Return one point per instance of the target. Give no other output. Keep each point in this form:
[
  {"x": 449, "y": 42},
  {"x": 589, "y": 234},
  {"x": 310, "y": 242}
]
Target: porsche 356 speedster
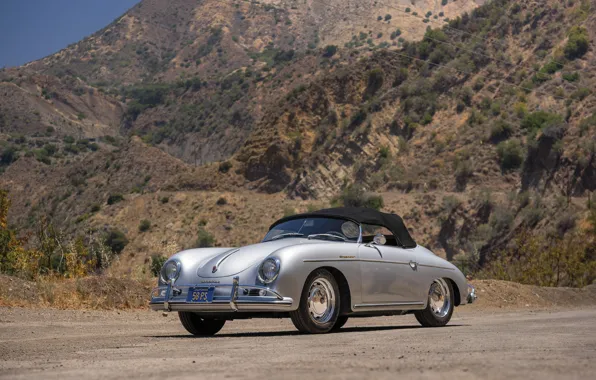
[{"x": 319, "y": 269}]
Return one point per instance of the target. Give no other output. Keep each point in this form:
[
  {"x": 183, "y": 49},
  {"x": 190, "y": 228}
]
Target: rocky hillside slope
[{"x": 221, "y": 116}]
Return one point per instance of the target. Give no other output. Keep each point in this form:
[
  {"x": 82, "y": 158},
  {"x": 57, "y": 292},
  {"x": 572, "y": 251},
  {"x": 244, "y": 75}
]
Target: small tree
[
  {"x": 510, "y": 154},
  {"x": 116, "y": 240},
  {"x": 329, "y": 51},
  {"x": 144, "y": 226},
  {"x": 578, "y": 43},
  {"x": 204, "y": 239}
]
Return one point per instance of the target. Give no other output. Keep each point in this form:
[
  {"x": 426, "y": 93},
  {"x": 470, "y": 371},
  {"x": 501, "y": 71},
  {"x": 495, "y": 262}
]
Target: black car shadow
[{"x": 292, "y": 332}]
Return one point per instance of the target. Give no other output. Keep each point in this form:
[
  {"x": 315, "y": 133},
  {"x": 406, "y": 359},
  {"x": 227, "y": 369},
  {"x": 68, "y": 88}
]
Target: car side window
[{"x": 369, "y": 231}]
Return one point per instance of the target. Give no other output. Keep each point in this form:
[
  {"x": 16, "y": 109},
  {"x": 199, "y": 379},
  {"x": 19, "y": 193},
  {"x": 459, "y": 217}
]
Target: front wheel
[
  {"x": 341, "y": 321},
  {"x": 440, "y": 305},
  {"x": 319, "y": 304},
  {"x": 199, "y": 326}
]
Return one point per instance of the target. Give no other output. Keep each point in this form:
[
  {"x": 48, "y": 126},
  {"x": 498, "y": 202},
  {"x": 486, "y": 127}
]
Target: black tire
[
  {"x": 341, "y": 321},
  {"x": 302, "y": 318},
  {"x": 199, "y": 326},
  {"x": 428, "y": 317}
]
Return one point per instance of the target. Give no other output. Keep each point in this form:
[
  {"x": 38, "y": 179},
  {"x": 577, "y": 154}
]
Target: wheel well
[
  {"x": 456, "y": 294},
  {"x": 344, "y": 290}
]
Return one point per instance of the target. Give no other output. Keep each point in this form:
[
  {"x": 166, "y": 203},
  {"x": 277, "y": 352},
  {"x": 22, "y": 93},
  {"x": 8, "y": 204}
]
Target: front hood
[{"x": 236, "y": 260}]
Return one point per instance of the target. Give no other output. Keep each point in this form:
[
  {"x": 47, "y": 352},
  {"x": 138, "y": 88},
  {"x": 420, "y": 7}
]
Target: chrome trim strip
[
  {"x": 434, "y": 266},
  {"x": 374, "y": 261},
  {"x": 361, "y": 260},
  {"x": 390, "y": 304},
  {"x": 226, "y": 256}
]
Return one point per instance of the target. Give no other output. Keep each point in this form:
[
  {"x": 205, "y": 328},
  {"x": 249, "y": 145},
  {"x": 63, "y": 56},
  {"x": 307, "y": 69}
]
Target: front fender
[{"x": 299, "y": 261}]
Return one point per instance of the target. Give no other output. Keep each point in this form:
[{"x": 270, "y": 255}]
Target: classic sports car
[{"x": 319, "y": 269}]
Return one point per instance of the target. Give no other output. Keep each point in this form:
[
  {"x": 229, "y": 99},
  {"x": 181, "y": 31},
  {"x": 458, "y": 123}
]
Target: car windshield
[{"x": 316, "y": 228}]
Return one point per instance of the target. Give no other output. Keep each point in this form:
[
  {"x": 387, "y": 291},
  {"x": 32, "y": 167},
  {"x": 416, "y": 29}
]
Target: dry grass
[{"x": 95, "y": 292}]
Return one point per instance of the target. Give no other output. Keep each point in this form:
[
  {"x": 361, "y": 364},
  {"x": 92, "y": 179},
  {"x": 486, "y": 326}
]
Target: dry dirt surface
[{"x": 478, "y": 343}]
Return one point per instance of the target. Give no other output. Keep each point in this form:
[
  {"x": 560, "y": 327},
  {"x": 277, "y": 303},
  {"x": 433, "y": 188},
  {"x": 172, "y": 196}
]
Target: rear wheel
[
  {"x": 199, "y": 326},
  {"x": 319, "y": 304},
  {"x": 440, "y": 305}
]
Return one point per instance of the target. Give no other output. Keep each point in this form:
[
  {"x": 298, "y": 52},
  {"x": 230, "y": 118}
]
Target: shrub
[
  {"x": 289, "y": 211},
  {"x": 9, "y": 155},
  {"x": 222, "y": 201},
  {"x": 115, "y": 198},
  {"x": 145, "y": 225},
  {"x": 387, "y": 17},
  {"x": 157, "y": 262},
  {"x": 534, "y": 260},
  {"x": 204, "y": 239},
  {"x": 225, "y": 166},
  {"x": 510, "y": 154},
  {"x": 571, "y": 77},
  {"x": 116, "y": 240},
  {"x": 330, "y": 50},
  {"x": 164, "y": 200},
  {"x": 500, "y": 130},
  {"x": 95, "y": 208},
  {"x": 538, "y": 120},
  {"x": 375, "y": 81},
  {"x": 578, "y": 43},
  {"x": 357, "y": 196}
]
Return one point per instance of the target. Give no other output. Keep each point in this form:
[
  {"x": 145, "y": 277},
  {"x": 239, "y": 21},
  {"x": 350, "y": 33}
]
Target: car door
[{"x": 389, "y": 273}]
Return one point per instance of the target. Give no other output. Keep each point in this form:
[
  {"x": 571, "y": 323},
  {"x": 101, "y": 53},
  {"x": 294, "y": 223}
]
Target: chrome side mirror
[{"x": 380, "y": 239}]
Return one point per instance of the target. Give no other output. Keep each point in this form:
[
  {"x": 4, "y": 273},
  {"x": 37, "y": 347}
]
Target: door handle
[
  {"x": 414, "y": 265},
  {"x": 375, "y": 247}
]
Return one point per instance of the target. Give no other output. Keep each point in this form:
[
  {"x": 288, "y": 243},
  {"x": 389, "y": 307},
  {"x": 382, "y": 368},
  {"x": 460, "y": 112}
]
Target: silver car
[{"x": 319, "y": 269}]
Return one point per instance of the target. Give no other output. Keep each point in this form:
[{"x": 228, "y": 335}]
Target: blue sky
[{"x": 32, "y": 29}]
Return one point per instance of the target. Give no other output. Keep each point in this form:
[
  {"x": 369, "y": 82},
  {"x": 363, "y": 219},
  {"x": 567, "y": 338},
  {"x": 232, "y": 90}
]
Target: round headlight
[
  {"x": 269, "y": 270},
  {"x": 170, "y": 271}
]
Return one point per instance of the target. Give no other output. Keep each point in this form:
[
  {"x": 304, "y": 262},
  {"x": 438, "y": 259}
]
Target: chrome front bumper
[{"x": 227, "y": 298}]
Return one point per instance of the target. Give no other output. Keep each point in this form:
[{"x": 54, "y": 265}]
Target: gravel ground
[{"x": 54, "y": 344}]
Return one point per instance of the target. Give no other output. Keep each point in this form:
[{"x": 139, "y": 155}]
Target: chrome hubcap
[
  {"x": 321, "y": 300},
  {"x": 439, "y": 298}
]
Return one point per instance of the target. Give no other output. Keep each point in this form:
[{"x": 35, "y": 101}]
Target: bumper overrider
[
  {"x": 471, "y": 294},
  {"x": 225, "y": 298}
]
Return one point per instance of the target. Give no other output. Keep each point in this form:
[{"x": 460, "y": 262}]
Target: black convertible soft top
[{"x": 363, "y": 216}]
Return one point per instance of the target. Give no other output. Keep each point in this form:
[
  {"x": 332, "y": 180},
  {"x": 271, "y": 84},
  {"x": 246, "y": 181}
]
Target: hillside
[{"x": 216, "y": 118}]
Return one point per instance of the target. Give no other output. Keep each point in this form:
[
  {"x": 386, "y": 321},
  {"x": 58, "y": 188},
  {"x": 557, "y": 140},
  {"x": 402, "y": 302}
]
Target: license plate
[{"x": 200, "y": 295}]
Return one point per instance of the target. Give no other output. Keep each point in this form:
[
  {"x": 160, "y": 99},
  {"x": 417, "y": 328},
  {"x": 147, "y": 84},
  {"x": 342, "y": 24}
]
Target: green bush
[
  {"x": 578, "y": 43},
  {"x": 145, "y": 225},
  {"x": 538, "y": 120},
  {"x": 387, "y": 17},
  {"x": 329, "y": 51},
  {"x": 356, "y": 196},
  {"x": 571, "y": 77},
  {"x": 157, "y": 262},
  {"x": 116, "y": 240},
  {"x": 375, "y": 82},
  {"x": 115, "y": 198},
  {"x": 204, "y": 239},
  {"x": 225, "y": 166},
  {"x": 9, "y": 155},
  {"x": 511, "y": 154},
  {"x": 500, "y": 130}
]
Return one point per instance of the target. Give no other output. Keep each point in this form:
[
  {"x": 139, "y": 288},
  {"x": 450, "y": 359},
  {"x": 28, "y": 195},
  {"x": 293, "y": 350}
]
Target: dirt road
[{"x": 54, "y": 344}]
